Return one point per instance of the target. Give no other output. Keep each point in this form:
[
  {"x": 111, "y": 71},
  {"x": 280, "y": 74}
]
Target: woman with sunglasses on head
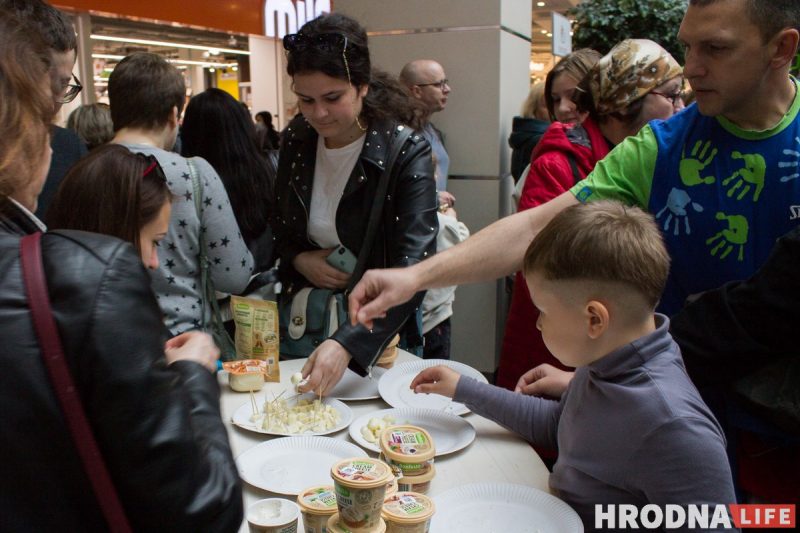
[
  {"x": 153, "y": 408},
  {"x": 331, "y": 160},
  {"x": 636, "y": 82}
]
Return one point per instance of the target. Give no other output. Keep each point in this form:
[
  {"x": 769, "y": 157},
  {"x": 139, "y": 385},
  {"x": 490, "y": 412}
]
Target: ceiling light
[
  {"x": 212, "y": 69},
  {"x": 549, "y": 34},
  {"x": 544, "y": 32},
  {"x": 132, "y": 40},
  {"x": 540, "y": 4},
  {"x": 174, "y": 61}
]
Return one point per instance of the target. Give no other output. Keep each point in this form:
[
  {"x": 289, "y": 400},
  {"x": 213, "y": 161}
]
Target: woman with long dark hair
[
  {"x": 331, "y": 161},
  {"x": 218, "y": 128}
]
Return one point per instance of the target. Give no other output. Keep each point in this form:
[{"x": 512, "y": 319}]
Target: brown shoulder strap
[{"x": 61, "y": 379}]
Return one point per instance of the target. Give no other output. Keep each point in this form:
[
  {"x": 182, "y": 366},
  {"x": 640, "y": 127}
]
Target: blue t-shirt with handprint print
[{"x": 721, "y": 195}]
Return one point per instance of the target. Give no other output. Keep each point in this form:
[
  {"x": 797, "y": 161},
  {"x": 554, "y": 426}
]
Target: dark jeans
[{"x": 437, "y": 342}]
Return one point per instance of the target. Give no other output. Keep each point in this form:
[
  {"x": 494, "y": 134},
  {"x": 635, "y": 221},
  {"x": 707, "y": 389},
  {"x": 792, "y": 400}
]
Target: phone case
[{"x": 342, "y": 259}]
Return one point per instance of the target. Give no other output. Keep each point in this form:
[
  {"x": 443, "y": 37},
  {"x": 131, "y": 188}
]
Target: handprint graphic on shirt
[
  {"x": 749, "y": 176},
  {"x": 676, "y": 211},
  {"x": 691, "y": 167},
  {"x": 734, "y": 235},
  {"x": 792, "y": 164}
]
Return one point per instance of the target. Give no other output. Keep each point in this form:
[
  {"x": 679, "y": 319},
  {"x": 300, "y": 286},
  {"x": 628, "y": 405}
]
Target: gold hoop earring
[{"x": 358, "y": 123}]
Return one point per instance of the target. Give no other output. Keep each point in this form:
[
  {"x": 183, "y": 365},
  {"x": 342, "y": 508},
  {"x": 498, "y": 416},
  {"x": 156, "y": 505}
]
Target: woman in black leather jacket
[
  {"x": 156, "y": 419},
  {"x": 330, "y": 163}
]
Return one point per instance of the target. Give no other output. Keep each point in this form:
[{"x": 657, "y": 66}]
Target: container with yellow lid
[
  {"x": 335, "y": 525},
  {"x": 317, "y": 505},
  {"x": 360, "y": 485},
  {"x": 409, "y": 450},
  {"x": 407, "y": 512},
  {"x": 420, "y": 484}
]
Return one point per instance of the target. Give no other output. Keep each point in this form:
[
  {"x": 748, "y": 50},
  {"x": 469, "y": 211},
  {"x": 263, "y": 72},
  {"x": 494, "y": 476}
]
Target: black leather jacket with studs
[{"x": 407, "y": 234}]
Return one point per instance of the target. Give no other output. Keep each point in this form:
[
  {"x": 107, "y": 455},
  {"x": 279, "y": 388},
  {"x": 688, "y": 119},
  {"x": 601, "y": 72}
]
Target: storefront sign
[{"x": 284, "y": 16}]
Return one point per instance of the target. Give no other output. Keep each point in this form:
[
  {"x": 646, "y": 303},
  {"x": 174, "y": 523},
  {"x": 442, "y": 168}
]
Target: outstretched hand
[
  {"x": 324, "y": 368},
  {"x": 380, "y": 290},
  {"x": 438, "y": 380},
  {"x": 544, "y": 380}
]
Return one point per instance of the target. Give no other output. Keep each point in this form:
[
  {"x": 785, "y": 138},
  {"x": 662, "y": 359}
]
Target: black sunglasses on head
[{"x": 323, "y": 41}]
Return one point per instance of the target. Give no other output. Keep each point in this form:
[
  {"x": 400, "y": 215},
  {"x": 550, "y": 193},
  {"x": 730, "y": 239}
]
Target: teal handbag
[{"x": 307, "y": 318}]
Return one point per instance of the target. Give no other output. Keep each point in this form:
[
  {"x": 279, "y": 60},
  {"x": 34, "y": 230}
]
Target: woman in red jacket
[{"x": 636, "y": 82}]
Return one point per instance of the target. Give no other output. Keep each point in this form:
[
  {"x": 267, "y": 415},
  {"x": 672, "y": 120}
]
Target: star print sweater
[
  {"x": 176, "y": 282},
  {"x": 721, "y": 195}
]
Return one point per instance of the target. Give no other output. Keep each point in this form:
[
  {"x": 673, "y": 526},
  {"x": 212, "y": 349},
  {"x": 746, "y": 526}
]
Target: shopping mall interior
[{"x": 491, "y": 49}]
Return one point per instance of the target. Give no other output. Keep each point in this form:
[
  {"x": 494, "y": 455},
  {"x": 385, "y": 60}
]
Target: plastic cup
[
  {"x": 273, "y": 515},
  {"x": 317, "y": 505},
  {"x": 336, "y": 526},
  {"x": 360, "y": 484},
  {"x": 420, "y": 484},
  {"x": 407, "y": 512},
  {"x": 408, "y": 450}
]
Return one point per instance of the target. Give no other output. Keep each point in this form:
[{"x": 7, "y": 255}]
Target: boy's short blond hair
[{"x": 603, "y": 241}]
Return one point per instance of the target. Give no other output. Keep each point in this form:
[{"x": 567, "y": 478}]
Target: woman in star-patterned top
[{"x": 147, "y": 95}]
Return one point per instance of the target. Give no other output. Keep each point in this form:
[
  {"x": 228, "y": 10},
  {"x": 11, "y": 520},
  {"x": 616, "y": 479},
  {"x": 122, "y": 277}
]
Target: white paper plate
[
  {"x": 502, "y": 507},
  {"x": 290, "y": 464},
  {"x": 394, "y": 386},
  {"x": 450, "y": 433},
  {"x": 354, "y": 387},
  {"x": 241, "y": 417}
]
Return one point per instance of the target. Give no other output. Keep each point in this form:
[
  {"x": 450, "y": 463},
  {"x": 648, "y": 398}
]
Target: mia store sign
[{"x": 284, "y": 16}]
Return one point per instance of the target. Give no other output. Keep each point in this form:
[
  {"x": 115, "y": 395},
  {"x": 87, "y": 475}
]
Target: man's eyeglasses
[
  {"x": 440, "y": 84},
  {"x": 324, "y": 41},
  {"x": 675, "y": 98},
  {"x": 72, "y": 90}
]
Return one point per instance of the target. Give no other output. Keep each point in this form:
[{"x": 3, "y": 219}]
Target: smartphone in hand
[{"x": 342, "y": 259}]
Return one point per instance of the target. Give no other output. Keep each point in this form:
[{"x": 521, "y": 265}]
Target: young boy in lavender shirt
[{"x": 631, "y": 427}]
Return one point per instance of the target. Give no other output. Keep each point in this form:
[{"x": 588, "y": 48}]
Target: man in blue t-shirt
[{"x": 721, "y": 177}]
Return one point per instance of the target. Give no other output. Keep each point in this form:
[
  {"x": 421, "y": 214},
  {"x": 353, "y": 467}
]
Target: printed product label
[
  {"x": 408, "y": 442},
  {"x": 320, "y": 498}
]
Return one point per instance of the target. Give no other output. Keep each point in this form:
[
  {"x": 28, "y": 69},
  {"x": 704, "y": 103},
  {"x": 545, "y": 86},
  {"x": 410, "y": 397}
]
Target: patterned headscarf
[{"x": 628, "y": 72}]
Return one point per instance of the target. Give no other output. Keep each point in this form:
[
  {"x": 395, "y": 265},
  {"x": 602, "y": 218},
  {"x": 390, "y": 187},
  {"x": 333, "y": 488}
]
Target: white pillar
[{"x": 267, "y": 75}]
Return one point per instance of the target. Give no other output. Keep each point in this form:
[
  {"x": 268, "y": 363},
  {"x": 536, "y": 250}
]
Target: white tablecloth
[{"x": 496, "y": 455}]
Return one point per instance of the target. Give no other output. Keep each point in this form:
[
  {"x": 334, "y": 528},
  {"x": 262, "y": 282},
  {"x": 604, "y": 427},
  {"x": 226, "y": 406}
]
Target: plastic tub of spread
[
  {"x": 408, "y": 450},
  {"x": 389, "y": 355},
  {"x": 407, "y": 512},
  {"x": 360, "y": 486},
  {"x": 420, "y": 484},
  {"x": 273, "y": 515},
  {"x": 246, "y": 375},
  {"x": 391, "y": 487},
  {"x": 336, "y": 526},
  {"x": 317, "y": 505}
]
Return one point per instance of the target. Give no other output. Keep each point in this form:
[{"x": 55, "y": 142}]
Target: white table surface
[{"x": 496, "y": 454}]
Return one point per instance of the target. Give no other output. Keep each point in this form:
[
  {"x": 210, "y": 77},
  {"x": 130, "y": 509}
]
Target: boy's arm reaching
[
  {"x": 535, "y": 419},
  {"x": 495, "y": 251}
]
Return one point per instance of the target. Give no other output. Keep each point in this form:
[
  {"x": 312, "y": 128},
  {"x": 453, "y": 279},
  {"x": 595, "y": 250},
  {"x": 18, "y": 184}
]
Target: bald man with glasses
[{"x": 426, "y": 81}]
